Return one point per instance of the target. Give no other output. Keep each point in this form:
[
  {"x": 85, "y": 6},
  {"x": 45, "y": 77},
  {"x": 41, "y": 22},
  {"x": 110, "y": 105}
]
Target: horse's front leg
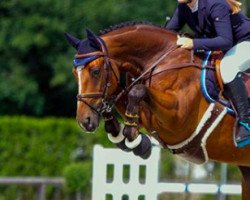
[
  {"x": 114, "y": 130},
  {"x": 138, "y": 142}
]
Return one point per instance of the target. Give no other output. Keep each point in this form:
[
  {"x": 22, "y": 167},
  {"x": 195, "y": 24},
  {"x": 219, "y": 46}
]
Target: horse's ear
[
  {"x": 94, "y": 40},
  {"x": 73, "y": 41}
]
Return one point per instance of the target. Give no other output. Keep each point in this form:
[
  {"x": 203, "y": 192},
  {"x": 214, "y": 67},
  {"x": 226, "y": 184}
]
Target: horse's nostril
[
  {"x": 88, "y": 124},
  {"x": 84, "y": 123},
  {"x": 87, "y": 121}
]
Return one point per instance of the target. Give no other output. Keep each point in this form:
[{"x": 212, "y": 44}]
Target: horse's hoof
[
  {"x": 119, "y": 140},
  {"x": 144, "y": 148},
  {"x": 147, "y": 154},
  {"x": 123, "y": 146}
]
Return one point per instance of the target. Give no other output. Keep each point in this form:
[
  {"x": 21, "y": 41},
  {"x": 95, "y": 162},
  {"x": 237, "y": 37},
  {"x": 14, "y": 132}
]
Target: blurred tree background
[{"x": 35, "y": 61}]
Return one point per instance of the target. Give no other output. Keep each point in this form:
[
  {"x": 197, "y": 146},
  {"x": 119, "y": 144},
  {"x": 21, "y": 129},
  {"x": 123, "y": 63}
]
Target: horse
[{"x": 161, "y": 93}]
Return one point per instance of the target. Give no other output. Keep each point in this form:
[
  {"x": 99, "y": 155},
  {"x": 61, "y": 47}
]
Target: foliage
[
  {"x": 76, "y": 177},
  {"x": 50, "y": 147},
  {"x": 36, "y": 61},
  {"x": 44, "y": 147},
  {"x": 31, "y": 146},
  {"x": 41, "y": 147}
]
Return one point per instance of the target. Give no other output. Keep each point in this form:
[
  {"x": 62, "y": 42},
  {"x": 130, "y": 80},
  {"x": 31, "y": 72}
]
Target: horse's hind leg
[
  {"x": 245, "y": 171},
  {"x": 139, "y": 143}
]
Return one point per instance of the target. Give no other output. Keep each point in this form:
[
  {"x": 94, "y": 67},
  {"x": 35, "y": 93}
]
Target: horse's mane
[{"x": 128, "y": 24}]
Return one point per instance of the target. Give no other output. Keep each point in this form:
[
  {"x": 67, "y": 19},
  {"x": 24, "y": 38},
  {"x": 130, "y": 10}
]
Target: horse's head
[{"x": 97, "y": 78}]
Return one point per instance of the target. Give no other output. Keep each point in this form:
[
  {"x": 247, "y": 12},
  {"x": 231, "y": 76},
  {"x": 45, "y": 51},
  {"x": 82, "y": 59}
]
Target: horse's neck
[{"x": 140, "y": 46}]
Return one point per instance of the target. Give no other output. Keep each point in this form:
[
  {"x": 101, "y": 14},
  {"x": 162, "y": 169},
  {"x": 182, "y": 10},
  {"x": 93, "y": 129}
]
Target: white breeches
[{"x": 237, "y": 59}]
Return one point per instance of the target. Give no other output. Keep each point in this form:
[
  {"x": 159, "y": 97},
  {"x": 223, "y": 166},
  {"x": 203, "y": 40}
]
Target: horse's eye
[{"x": 95, "y": 72}]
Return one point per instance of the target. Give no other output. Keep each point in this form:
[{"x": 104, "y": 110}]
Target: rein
[
  {"x": 177, "y": 66},
  {"x": 152, "y": 67},
  {"x": 144, "y": 77},
  {"x": 108, "y": 103}
]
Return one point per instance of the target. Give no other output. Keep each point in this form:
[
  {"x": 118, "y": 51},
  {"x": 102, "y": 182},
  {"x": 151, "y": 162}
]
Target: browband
[{"x": 83, "y": 61}]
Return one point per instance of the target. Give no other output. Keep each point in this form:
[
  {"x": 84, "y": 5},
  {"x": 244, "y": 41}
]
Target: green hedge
[
  {"x": 46, "y": 146},
  {"x": 43, "y": 147}
]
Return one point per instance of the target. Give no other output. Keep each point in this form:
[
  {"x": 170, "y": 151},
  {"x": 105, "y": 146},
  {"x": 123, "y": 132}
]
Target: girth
[{"x": 193, "y": 149}]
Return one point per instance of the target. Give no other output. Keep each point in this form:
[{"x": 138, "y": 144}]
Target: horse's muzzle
[{"x": 89, "y": 124}]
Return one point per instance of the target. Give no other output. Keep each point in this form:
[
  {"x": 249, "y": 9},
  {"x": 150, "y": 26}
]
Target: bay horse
[{"x": 161, "y": 92}]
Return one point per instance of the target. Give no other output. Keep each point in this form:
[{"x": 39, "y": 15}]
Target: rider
[{"x": 220, "y": 25}]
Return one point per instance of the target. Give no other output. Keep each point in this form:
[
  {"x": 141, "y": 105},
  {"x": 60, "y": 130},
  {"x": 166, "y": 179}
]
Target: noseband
[{"x": 80, "y": 62}]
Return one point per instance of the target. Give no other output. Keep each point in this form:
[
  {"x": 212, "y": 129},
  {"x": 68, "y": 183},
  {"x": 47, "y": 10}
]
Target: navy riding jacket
[{"x": 217, "y": 28}]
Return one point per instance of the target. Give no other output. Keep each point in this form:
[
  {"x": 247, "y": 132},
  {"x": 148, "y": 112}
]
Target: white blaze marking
[{"x": 79, "y": 82}]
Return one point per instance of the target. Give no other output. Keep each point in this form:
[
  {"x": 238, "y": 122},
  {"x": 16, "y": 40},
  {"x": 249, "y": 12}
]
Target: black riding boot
[{"x": 237, "y": 93}]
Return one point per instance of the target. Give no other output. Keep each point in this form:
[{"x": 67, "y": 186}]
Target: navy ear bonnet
[
  {"x": 93, "y": 43},
  {"x": 87, "y": 46}
]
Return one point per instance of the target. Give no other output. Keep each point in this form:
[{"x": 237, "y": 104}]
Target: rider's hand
[{"x": 184, "y": 42}]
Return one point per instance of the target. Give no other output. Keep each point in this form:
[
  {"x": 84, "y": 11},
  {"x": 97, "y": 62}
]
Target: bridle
[{"x": 80, "y": 62}]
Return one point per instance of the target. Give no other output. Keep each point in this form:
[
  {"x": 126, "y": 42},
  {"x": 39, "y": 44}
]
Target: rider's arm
[
  {"x": 220, "y": 16},
  {"x": 177, "y": 21}
]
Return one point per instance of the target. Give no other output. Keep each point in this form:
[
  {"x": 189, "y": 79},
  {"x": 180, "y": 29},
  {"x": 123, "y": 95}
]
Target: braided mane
[{"x": 126, "y": 24}]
